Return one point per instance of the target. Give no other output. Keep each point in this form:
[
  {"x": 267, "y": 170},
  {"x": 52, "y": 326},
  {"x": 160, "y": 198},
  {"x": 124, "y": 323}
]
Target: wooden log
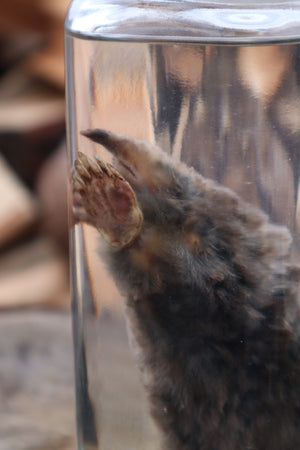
[
  {"x": 32, "y": 122},
  {"x": 51, "y": 189},
  {"x": 18, "y": 208},
  {"x": 37, "y": 409},
  {"x": 34, "y": 275},
  {"x": 27, "y": 105}
]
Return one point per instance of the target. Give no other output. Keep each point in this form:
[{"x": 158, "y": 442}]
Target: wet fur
[{"x": 213, "y": 313}]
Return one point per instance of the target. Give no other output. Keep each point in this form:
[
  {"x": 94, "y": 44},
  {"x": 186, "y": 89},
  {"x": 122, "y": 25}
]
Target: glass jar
[{"x": 183, "y": 135}]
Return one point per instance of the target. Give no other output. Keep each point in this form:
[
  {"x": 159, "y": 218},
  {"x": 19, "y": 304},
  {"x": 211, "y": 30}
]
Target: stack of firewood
[{"x": 33, "y": 173}]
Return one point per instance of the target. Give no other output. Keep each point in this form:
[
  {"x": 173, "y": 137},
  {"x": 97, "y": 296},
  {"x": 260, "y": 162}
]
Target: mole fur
[{"x": 211, "y": 297}]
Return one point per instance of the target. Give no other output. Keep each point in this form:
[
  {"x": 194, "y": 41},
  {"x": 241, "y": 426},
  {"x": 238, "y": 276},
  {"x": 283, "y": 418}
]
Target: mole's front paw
[{"x": 106, "y": 201}]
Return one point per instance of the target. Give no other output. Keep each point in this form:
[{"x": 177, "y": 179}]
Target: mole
[{"x": 211, "y": 297}]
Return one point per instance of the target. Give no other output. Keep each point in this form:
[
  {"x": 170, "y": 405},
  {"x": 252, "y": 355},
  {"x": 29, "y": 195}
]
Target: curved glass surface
[{"x": 215, "y": 21}]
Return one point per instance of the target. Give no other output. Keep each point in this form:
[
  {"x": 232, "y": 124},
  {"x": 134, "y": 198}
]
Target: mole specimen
[{"x": 210, "y": 295}]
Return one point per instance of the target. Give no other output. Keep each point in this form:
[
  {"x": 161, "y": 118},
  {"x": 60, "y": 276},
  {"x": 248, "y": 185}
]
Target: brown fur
[{"x": 211, "y": 303}]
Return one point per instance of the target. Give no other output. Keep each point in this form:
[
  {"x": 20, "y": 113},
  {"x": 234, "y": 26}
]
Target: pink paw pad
[{"x": 105, "y": 200}]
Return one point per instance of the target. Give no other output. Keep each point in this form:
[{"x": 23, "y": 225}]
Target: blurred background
[
  {"x": 37, "y": 407},
  {"x": 36, "y": 361}
]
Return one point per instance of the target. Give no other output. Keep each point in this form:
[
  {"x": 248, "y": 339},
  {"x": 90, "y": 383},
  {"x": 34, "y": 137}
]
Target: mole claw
[
  {"x": 78, "y": 185},
  {"x": 116, "y": 173},
  {"x": 103, "y": 165},
  {"x": 83, "y": 159},
  {"x": 81, "y": 167},
  {"x": 75, "y": 176},
  {"x": 95, "y": 168},
  {"x": 90, "y": 164},
  {"x": 78, "y": 182}
]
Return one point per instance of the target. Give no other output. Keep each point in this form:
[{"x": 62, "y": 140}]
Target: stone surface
[
  {"x": 37, "y": 401},
  {"x": 37, "y": 408}
]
